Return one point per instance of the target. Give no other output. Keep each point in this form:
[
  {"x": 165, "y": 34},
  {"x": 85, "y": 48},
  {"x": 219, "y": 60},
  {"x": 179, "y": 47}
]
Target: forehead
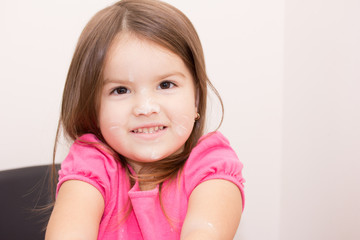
[{"x": 130, "y": 54}]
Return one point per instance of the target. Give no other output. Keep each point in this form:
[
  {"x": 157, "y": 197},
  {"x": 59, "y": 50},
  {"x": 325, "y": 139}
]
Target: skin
[
  {"x": 77, "y": 212},
  {"x": 149, "y": 88},
  {"x": 214, "y": 211},
  {"x": 143, "y": 88}
]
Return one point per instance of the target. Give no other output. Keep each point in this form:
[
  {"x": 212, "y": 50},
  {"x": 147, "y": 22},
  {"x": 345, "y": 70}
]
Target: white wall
[
  {"x": 287, "y": 72},
  {"x": 321, "y": 127},
  {"x": 36, "y": 45},
  {"x": 243, "y": 45}
]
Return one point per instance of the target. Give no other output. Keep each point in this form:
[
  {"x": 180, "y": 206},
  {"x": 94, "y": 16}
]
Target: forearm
[
  {"x": 214, "y": 211},
  {"x": 77, "y": 212},
  {"x": 200, "y": 235}
]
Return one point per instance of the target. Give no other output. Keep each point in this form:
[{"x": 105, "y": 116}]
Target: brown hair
[{"x": 152, "y": 20}]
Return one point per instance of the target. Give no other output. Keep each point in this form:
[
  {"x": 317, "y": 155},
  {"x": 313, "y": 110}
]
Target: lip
[
  {"x": 149, "y": 135},
  {"x": 148, "y": 125}
]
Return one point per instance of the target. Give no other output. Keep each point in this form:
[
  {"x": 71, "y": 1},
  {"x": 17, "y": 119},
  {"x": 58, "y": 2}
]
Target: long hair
[{"x": 152, "y": 20}]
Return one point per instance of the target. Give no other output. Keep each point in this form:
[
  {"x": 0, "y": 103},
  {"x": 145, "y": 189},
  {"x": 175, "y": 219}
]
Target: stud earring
[{"x": 197, "y": 116}]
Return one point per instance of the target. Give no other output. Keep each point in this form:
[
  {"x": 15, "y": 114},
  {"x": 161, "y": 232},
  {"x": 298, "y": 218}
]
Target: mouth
[{"x": 149, "y": 130}]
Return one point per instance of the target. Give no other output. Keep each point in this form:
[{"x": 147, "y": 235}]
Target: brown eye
[
  {"x": 120, "y": 90},
  {"x": 166, "y": 85}
]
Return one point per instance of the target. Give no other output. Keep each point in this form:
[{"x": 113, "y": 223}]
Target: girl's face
[{"x": 148, "y": 107}]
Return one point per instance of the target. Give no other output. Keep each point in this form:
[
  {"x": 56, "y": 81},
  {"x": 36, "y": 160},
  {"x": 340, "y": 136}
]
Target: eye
[
  {"x": 166, "y": 85},
  {"x": 120, "y": 90}
]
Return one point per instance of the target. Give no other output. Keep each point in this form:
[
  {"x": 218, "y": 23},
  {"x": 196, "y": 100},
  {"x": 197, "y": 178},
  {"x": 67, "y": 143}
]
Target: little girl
[{"x": 134, "y": 105}]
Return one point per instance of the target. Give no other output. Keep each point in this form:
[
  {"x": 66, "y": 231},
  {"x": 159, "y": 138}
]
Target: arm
[
  {"x": 214, "y": 211},
  {"x": 77, "y": 212}
]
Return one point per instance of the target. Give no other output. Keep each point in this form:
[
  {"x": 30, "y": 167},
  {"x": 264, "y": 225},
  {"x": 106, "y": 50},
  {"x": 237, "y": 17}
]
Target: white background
[{"x": 288, "y": 72}]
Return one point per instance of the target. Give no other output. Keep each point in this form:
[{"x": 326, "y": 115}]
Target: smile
[{"x": 149, "y": 130}]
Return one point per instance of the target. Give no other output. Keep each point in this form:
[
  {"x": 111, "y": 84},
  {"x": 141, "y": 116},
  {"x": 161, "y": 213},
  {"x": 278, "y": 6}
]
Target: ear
[
  {"x": 197, "y": 99},
  {"x": 196, "y": 102}
]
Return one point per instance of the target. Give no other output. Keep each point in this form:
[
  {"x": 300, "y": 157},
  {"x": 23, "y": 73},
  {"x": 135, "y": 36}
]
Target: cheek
[
  {"x": 110, "y": 121},
  {"x": 183, "y": 125},
  {"x": 183, "y": 119},
  {"x": 112, "y": 127}
]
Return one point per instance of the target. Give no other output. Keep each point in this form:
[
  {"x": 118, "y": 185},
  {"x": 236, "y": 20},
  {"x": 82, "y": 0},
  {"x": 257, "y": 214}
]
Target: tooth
[
  {"x": 145, "y": 130},
  {"x": 151, "y": 130},
  {"x": 161, "y": 127},
  {"x": 156, "y": 128},
  {"x": 135, "y": 131},
  {"x": 140, "y": 130}
]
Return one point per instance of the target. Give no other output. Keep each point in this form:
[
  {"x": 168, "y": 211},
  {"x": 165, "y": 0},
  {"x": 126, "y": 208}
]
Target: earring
[{"x": 197, "y": 116}]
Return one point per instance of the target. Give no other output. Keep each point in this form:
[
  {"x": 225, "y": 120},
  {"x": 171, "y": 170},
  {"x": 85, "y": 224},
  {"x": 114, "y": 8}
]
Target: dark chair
[{"x": 23, "y": 192}]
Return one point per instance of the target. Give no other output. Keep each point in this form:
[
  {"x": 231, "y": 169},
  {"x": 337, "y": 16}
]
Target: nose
[{"x": 146, "y": 105}]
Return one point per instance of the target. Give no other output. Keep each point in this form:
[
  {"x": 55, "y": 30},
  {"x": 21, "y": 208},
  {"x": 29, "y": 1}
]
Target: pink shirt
[{"x": 212, "y": 158}]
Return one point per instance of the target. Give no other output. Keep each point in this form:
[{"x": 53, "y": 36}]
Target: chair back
[{"x": 23, "y": 192}]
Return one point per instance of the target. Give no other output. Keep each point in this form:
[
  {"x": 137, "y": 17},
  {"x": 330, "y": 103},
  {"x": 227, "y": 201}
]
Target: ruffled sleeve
[
  {"x": 213, "y": 158},
  {"x": 88, "y": 163}
]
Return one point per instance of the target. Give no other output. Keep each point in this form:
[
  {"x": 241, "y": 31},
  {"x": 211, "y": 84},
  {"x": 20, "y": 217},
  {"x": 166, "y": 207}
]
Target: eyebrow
[
  {"x": 121, "y": 81},
  {"x": 166, "y": 75},
  {"x": 161, "y": 76}
]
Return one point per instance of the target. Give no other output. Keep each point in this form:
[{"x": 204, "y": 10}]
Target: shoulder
[
  {"x": 87, "y": 152},
  {"x": 211, "y": 148},
  {"x": 90, "y": 161},
  {"x": 212, "y": 158}
]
